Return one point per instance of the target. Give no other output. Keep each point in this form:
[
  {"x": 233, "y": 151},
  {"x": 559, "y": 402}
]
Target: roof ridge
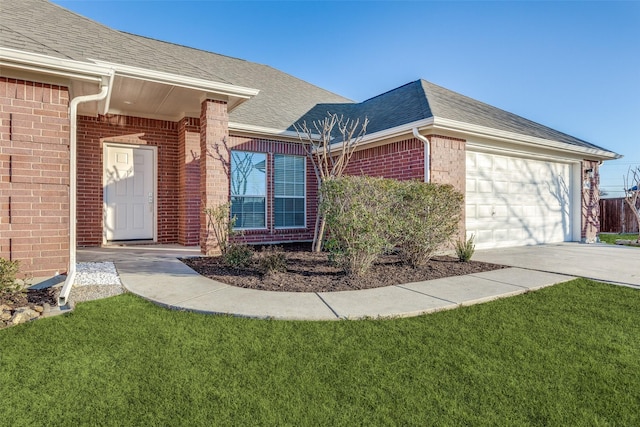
[
  {"x": 387, "y": 92},
  {"x": 427, "y": 111}
]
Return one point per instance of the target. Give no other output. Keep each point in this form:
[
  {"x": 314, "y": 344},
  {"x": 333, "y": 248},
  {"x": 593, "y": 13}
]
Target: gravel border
[{"x": 95, "y": 280}]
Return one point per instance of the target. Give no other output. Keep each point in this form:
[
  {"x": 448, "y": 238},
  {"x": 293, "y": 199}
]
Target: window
[
  {"x": 248, "y": 189},
  {"x": 289, "y": 191}
]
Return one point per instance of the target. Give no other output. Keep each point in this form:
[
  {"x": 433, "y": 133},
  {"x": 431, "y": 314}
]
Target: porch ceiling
[{"x": 143, "y": 98}]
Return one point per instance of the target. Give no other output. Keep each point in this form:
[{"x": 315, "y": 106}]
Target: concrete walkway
[{"x": 154, "y": 273}]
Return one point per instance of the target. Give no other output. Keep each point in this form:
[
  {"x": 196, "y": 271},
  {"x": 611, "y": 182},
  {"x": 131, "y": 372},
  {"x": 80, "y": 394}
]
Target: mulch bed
[
  {"x": 32, "y": 298},
  {"x": 312, "y": 272}
]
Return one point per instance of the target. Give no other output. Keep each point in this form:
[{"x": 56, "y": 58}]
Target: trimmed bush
[
  {"x": 238, "y": 255},
  {"x": 427, "y": 216},
  {"x": 356, "y": 209},
  {"x": 9, "y": 283},
  {"x": 367, "y": 217},
  {"x": 272, "y": 260}
]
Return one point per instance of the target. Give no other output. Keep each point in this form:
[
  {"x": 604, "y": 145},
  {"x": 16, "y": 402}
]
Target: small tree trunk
[
  {"x": 316, "y": 231},
  {"x": 632, "y": 202},
  {"x": 320, "y": 238}
]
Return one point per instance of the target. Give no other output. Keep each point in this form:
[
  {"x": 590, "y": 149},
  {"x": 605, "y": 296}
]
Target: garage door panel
[
  {"x": 515, "y": 201},
  {"x": 484, "y": 162},
  {"x": 471, "y": 185},
  {"x": 484, "y": 186}
]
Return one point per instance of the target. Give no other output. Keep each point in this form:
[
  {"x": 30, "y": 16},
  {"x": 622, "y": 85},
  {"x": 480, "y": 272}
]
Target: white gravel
[
  {"x": 97, "y": 273},
  {"x": 95, "y": 280}
]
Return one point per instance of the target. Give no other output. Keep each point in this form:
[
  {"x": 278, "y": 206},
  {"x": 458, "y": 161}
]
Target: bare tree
[
  {"x": 632, "y": 192},
  {"x": 329, "y": 159}
]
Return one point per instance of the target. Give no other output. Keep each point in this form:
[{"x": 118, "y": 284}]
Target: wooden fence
[{"x": 616, "y": 216}]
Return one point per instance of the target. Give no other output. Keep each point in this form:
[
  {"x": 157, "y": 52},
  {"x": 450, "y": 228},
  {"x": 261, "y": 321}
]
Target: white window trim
[{"x": 296, "y": 227}]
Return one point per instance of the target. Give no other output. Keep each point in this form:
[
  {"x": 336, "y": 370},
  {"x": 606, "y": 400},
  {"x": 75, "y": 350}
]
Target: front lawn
[
  {"x": 564, "y": 355},
  {"x": 611, "y": 238}
]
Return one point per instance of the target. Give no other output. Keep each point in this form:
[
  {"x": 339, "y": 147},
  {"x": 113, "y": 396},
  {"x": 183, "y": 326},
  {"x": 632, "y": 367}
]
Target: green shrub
[
  {"x": 9, "y": 283},
  {"x": 356, "y": 210},
  {"x": 221, "y": 225},
  {"x": 237, "y": 255},
  {"x": 271, "y": 260},
  {"x": 367, "y": 217},
  {"x": 465, "y": 249},
  {"x": 426, "y": 217}
]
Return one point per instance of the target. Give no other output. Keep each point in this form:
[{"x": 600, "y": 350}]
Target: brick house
[{"x": 112, "y": 137}]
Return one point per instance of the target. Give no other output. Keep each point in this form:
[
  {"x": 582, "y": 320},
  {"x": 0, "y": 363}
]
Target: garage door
[{"x": 513, "y": 201}]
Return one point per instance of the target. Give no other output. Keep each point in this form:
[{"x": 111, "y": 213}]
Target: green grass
[
  {"x": 611, "y": 238},
  {"x": 565, "y": 355}
]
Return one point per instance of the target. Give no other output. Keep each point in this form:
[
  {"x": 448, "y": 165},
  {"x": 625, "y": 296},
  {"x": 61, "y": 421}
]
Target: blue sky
[{"x": 573, "y": 65}]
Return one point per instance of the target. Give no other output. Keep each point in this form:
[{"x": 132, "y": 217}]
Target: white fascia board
[
  {"x": 180, "y": 81},
  {"x": 541, "y": 154},
  {"x": 512, "y": 137},
  {"x": 60, "y": 67},
  {"x": 266, "y": 131}
]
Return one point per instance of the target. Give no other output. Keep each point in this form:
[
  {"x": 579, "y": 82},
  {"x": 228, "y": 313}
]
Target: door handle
[{"x": 150, "y": 198}]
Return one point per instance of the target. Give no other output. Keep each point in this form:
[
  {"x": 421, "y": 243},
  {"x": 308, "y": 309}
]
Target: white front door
[{"x": 129, "y": 192}]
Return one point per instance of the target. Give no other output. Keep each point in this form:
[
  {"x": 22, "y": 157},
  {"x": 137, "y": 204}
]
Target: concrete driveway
[{"x": 606, "y": 263}]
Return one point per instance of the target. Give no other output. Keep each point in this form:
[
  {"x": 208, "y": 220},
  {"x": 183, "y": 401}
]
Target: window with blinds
[{"x": 289, "y": 207}]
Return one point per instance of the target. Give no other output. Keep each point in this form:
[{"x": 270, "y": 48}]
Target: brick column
[
  {"x": 189, "y": 182},
  {"x": 214, "y": 165},
  {"x": 449, "y": 166}
]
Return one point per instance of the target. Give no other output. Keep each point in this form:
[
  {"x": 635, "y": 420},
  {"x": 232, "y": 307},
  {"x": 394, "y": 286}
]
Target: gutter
[
  {"x": 427, "y": 151},
  {"x": 105, "y": 92},
  {"x": 59, "y": 67},
  {"x": 193, "y": 83}
]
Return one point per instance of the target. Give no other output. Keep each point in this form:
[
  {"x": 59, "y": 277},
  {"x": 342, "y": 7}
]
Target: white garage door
[{"x": 512, "y": 201}]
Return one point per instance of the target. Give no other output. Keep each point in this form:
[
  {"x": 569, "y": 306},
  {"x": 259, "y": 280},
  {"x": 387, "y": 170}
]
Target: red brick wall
[
  {"x": 189, "y": 182},
  {"x": 271, "y": 234},
  {"x": 448, "y": 161},
  {"x": 590, "y": 202},
  {"x": 92, "y": 132},
  {"x": 400, "y": 160},
  {"x": 34, "y": 176},
  {"x": 405, "y": 160}
]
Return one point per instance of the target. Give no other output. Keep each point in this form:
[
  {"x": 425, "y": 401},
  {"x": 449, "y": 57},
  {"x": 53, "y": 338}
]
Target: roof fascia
[
  {"x": 385, "y": 134},
  {"x": 265, "y": 131},
  {"x": 59, "y": 67},
  {"x": 516, "y": 138},
  {"x": 197, "y": 84},
  {"x": 456, "y": 128}
]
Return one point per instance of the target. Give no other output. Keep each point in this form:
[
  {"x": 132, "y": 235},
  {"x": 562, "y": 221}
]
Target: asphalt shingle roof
[
  {"x": 422, "y": 100},
  {"x": 39, "y": 26},
  {"x": 42, "y": 27}
]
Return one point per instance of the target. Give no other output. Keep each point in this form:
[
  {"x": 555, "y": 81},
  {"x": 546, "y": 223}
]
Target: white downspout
[
  {"x": 105, "y": 90},
  {"x": 427, "y": 151}
]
